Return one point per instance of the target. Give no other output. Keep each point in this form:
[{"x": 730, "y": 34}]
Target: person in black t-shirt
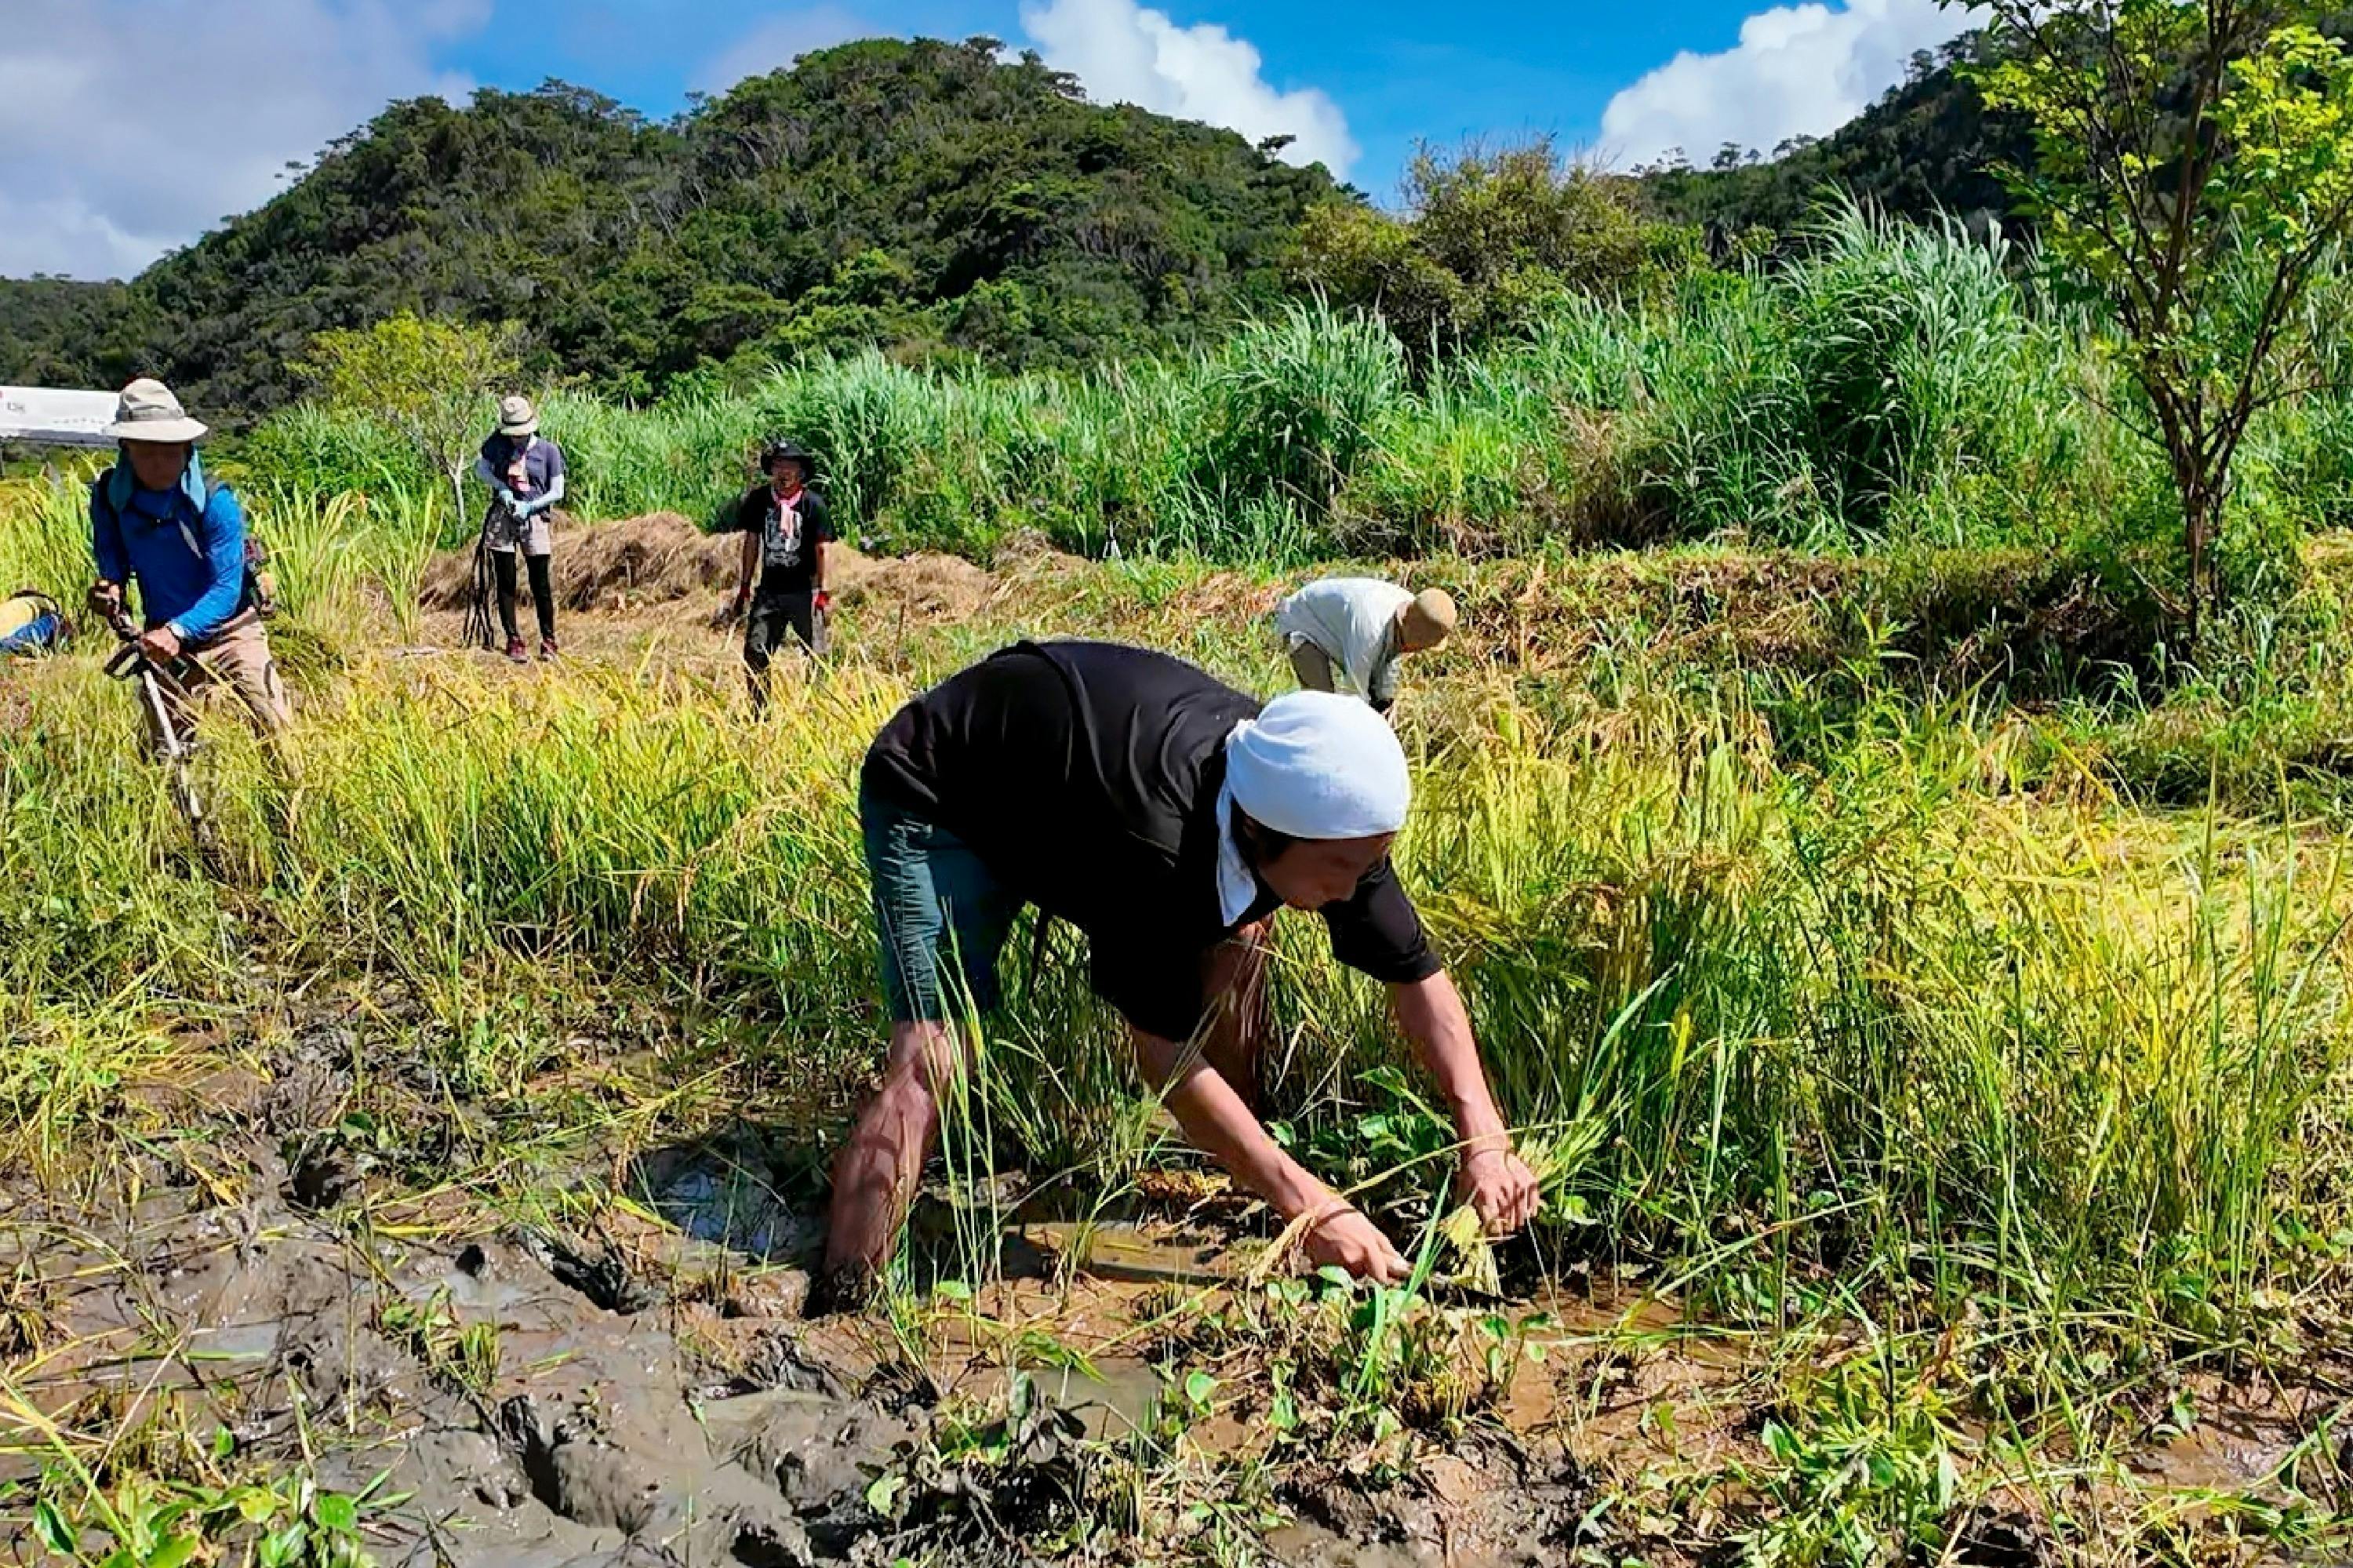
[
  {"x": 1167, "y": 816},
  {"x": 785, "y": 528}
]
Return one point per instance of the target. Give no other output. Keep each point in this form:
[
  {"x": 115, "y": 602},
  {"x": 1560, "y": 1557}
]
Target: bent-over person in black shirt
[{"x": 1167, "y": 816}]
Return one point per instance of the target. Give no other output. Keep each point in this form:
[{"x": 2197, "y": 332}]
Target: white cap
[{"x": 1314, "y": 765}]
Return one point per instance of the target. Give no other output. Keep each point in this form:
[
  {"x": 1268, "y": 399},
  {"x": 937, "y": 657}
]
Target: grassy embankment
[{"x": 1897, "y": 387}]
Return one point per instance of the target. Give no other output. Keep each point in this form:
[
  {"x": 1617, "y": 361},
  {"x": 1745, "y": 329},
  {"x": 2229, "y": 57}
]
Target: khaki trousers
[
  {"x": 238, "y": 657},
  {"x": 1312, "y": 665}
]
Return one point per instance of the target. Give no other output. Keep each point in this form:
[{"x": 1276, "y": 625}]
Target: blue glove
[{"x": 506, "y": 497}]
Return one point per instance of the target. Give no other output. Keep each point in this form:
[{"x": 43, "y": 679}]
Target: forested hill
[
  {"x": 55, "y": 332},
  {"x": 930, "y": 196},
  {"x": 1928, "y": 146}
]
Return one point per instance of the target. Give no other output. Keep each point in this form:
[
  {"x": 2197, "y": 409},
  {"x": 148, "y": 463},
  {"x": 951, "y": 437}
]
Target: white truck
[{"x": 55, "y": 416}]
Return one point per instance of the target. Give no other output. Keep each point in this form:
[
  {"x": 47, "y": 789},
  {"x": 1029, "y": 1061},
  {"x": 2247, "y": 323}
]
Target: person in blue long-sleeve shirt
[{"x": 154, "y": 522}]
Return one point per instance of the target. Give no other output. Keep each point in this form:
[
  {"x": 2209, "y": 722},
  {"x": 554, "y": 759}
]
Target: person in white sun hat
[
  {"x": 157, "y": 524},
  {"x": 524, "y": 472},
  {"x": 1167, "y": 816}
]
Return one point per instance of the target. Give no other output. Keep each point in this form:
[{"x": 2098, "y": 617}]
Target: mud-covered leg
[
  {"x": 875, "y": 1176},
  {"x": 762, "y": 627},
  {"x": 1312, "y": 665}
]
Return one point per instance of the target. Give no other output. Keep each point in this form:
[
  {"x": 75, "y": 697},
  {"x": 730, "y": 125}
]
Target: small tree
[
  {"x": 2193, "y": 172},
  {"x": 427, "y": 380},
  {"x": 1488, "y": 240}
]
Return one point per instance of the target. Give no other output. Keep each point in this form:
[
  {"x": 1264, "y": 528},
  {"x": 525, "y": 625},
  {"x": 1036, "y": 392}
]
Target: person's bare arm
[
  {"x": 1214, "y": 1117},
  {"x": 1494, "y": 1180},
  {"x": 817, "y": 581},
  {"x": 750, "y": 564}
]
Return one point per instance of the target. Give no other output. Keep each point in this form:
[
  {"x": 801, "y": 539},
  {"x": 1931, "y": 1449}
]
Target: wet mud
[
  {"x": 622, "y": 1373},
  {"x": 637, "y": 1386},
  {"x": 530, "y": 1399}
]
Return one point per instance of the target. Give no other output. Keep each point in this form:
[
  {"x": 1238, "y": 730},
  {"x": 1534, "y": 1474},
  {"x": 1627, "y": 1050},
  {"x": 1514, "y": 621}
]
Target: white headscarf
[{"x": 1314, "y": 765}]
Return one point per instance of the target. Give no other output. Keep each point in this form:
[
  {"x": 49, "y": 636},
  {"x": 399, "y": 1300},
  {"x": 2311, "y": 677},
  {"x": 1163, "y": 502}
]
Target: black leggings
[{"x": 542, "y": 592}]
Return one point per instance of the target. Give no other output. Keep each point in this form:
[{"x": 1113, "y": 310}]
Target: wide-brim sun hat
[
  {"x": 1314, "y": 765},
  {"x": 147, "y": 411},
  {"x": 517, "y": 416}
]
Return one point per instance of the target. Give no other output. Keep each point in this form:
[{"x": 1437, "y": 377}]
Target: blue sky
[
  {"x": 99, "y": 194},
  {"x": 1395, "y": 73}
]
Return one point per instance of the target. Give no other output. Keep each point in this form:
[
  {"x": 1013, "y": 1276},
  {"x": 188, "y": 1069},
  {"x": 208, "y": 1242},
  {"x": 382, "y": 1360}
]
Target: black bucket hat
[{"x": 777, "y": 447}]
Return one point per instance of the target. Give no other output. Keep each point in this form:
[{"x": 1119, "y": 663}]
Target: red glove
[{"x": 822, "y": 599}]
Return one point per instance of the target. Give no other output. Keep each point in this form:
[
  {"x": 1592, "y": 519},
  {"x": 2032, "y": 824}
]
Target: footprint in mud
[
  {"x": 601, "y": 1274},
  {"x": 320, "y": 1176},
  {"x": 577, "y": 1474},
  {"x": 774, "y": 1479}
]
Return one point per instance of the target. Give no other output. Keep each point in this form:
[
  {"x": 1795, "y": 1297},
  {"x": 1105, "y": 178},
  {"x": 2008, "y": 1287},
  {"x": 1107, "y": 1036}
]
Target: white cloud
[
  {"x": 131, "y": 126},
  {"x": 65, "y": 234},
  {"x": 777, "y": 43},
  {"x": 1127, "y": 53},
  {"x": 1801, "y": 69}
]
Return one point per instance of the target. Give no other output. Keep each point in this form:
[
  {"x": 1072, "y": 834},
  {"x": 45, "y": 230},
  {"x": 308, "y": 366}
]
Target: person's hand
[
  {"x": 507, "y": 498},
  {"x": 730, "y": 612},
  {"x": 1499, "y": 1187},
  {"x": 821, "y": 600},
  {"x": 105, "y": 599},
  {"x": 1344, "y": 1236},
  {"x": 161, "y": 645}
]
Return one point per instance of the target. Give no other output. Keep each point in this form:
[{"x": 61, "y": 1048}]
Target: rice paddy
[{"x": 1924, "y": 999}]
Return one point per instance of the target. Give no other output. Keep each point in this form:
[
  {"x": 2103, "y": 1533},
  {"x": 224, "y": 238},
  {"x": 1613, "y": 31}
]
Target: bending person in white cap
[
  {"x": 155, "y": 522},
  {"x": 1349, "y": 633},
  {"x": 1167, "y": 816}
]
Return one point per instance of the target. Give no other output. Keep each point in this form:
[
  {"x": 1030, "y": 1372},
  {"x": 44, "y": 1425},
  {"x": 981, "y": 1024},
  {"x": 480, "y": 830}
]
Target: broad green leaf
[
  {"x": 176, "y": 1552},
  {"x": 51, "y": 1529}
]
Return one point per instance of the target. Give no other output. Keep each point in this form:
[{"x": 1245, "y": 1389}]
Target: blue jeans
[{"x": 937, "y": 913}]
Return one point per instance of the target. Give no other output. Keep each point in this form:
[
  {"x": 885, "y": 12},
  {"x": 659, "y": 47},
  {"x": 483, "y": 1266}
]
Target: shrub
[{"x": 1491, "y": 243}]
